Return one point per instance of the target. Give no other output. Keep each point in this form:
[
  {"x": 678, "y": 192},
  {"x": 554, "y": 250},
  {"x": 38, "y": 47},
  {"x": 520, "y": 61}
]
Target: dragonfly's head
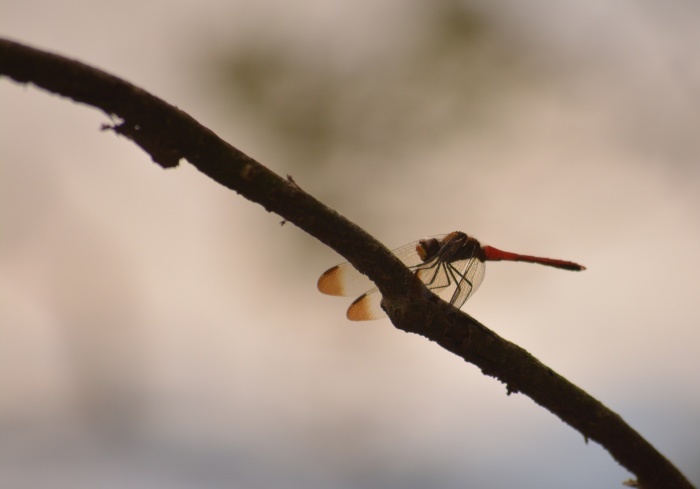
[{"x": 428, "y": 248}]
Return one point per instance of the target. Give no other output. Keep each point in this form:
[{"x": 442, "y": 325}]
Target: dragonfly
[{"x": 450, "y": 265}]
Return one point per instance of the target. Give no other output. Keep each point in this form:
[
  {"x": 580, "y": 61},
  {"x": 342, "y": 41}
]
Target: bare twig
[{"x": 168, "y": 135}]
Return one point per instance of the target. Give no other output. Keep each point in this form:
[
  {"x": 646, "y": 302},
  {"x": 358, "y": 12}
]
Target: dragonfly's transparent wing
[
  {"x": 452, "y": 282},
  {"x": 408, "y": 254},
  {"x": 344, "y": 279},
  {"x": 366, "y": 307}
]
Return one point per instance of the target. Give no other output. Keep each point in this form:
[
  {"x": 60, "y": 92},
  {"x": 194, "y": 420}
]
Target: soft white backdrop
[{"x": 160, "y": 331}]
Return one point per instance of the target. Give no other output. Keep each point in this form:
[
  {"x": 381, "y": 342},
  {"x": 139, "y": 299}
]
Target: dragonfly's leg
[
  {"x": 462, "y": 281},
  {"x": 422, "y": 272},
  {"x": 436, "y": 288}
]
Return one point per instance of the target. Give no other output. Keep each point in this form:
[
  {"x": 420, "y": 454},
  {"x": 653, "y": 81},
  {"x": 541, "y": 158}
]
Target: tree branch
[{"x": 168, "y": 135}]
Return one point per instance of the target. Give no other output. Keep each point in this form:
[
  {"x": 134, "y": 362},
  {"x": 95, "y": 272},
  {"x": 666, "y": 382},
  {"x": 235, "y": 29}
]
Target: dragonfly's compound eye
[{"x": 427, "y": 248}]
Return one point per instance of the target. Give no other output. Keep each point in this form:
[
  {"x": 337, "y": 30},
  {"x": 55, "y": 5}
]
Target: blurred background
[{"x": 159, "y": 331}]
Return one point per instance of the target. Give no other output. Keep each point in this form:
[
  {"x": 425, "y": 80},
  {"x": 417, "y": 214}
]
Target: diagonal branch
[{"x": 168, "y": 135}]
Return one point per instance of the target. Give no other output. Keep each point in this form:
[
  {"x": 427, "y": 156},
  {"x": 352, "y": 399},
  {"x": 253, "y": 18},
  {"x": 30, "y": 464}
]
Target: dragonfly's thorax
[{"x": 455, "y": 246}]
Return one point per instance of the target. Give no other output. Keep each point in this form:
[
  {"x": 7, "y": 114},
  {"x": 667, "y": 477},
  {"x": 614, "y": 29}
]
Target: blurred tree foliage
[{"x": 441, "y": 78}]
